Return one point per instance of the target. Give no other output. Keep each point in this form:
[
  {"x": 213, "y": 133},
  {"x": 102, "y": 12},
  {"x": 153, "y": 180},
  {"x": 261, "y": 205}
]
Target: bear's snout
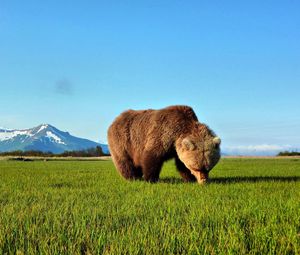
[{"x": 201, "y": 176}]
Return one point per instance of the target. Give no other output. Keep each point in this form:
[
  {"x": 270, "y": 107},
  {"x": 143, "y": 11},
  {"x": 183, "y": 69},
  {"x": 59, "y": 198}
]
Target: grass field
[{"x": 252, "y": 206}]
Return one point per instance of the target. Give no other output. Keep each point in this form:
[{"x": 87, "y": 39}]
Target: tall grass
[{"x": 252, "y": 206}]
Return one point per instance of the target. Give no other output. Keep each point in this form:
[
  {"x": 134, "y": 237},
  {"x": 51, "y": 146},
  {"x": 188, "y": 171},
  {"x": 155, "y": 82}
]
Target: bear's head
[{"x": 199, "y": 151}]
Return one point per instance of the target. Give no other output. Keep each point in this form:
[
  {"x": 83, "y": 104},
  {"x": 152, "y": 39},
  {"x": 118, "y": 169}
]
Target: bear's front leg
[
  {"x": 151, "y": 168},
  {"x": 185, "y": 173}
]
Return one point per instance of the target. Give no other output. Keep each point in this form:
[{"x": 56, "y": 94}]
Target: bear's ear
[
  {"x": 188, "y": 144},
  {"x": 217, "y": 140}
]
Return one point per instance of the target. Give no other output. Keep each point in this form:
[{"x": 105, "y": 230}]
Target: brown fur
[{"x": 140, "y": 141}]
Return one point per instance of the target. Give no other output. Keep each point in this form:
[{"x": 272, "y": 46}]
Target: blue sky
[{"x": 78, "y": 64}]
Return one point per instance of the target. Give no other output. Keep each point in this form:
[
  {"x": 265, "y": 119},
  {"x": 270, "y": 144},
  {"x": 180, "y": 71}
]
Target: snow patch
[
  {"x": 42, "y": 128},
  {"x": 54, "y": 137},
  {"x": 9, "y": 134}
]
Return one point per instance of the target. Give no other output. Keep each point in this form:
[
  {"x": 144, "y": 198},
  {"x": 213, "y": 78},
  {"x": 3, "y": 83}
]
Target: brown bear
[{"x": 140, "y": 141}]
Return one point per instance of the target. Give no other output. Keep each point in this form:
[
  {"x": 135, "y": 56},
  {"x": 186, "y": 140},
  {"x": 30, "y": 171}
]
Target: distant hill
[
  {"x": 257, "y": 150},
  {"x": 44, "y": 138}
]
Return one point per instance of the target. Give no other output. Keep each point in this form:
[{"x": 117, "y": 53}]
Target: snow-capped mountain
[{"x": 43, "y": 138}]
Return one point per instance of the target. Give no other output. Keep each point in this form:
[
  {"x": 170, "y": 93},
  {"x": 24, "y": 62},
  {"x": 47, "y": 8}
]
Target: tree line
[
  {"x": 91, "y": 152},
  {"x": 288, "y": 153}
]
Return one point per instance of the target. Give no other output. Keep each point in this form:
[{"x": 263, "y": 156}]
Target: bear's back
[
  {"x": 135, "y": 131},
  {"x": 129, "y": 130}
]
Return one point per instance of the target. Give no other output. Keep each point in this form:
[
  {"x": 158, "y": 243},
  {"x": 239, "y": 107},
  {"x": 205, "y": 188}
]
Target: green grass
[{"x": 252, "y": 206}]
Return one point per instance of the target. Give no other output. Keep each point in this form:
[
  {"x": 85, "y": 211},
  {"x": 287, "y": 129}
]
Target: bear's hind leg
[
  {"x": 137, "y": 172},
  {"x": 185, "y": 173},
  {"x": 151, "y": 169},
  {"x": 127, "y": 169}
]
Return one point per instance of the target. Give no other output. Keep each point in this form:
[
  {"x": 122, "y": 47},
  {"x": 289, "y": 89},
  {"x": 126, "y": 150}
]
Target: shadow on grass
[
  {"x": 171, "y": 180},
  {"x": 61, "y": 185},
  {"x": 238, "y": 179}
]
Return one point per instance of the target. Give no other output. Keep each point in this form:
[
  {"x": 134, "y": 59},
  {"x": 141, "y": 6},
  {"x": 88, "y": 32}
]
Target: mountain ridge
[{"x": 44, "y": 137}]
